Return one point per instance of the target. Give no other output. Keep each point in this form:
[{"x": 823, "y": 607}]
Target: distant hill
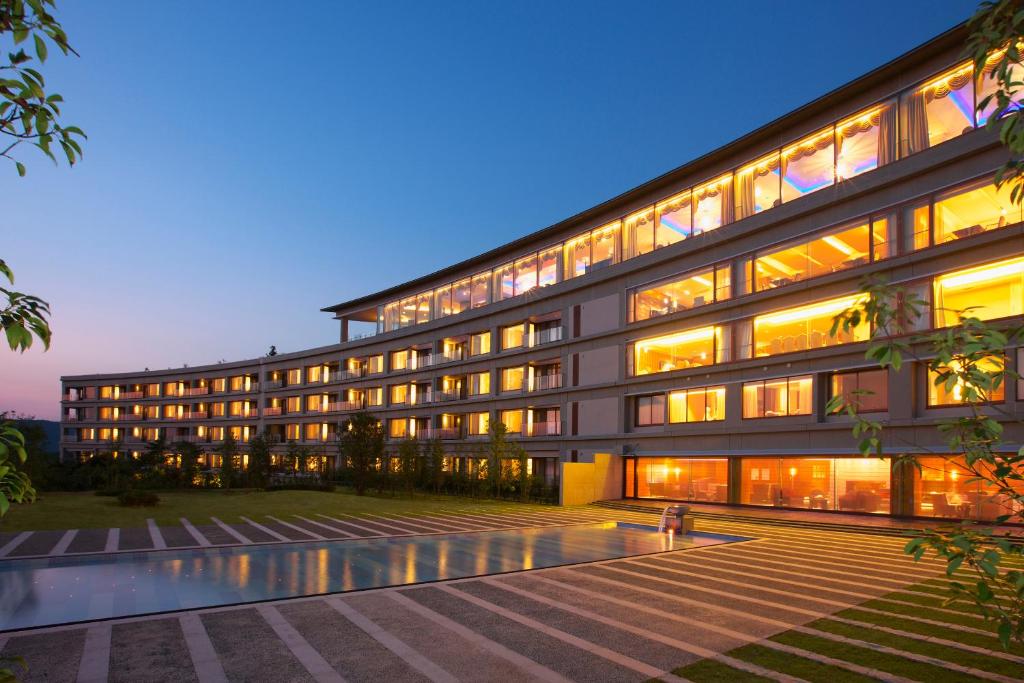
[{"x": 52, "y": 431}]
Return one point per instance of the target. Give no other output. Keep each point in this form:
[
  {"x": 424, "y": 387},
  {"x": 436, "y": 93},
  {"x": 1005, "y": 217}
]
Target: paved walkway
[{"x": 737, "y": 608}]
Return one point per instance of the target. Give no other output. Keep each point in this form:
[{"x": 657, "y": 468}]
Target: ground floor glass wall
[
  {"x": 943, "y": 488},
  {"x": 844, "y": 484},
  {"x": 683, "y": 479}
]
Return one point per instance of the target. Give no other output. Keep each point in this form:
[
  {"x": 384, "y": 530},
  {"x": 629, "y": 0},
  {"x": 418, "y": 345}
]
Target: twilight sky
[{"x": 248, "y": 165}]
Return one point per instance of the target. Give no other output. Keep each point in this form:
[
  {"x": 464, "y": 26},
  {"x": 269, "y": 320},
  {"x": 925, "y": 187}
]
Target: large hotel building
[{"x": 676, "y": 338}]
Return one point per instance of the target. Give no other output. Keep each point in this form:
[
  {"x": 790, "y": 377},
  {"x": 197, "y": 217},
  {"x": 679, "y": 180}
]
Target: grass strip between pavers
[
  {"x": 783, "y": 662},
  {"x": 920, "y": 647},
  {"x": 947, "y": 632},
  {"x": 908, "y": 668},
  {"x": 965, "y": 619},
  {"x": 710, "y": 671}
]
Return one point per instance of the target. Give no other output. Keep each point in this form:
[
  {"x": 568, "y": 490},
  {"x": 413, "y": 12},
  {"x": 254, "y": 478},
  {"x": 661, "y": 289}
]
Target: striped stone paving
[{"x": 791, "y": 605}]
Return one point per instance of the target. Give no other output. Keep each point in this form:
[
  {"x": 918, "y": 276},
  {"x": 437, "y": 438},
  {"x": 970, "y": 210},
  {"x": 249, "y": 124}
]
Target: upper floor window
[
  {"x": 777, "y": 397},
  {"x": 374, "y": 396},
  {"x": 294, "y": 376},
  {"x": 592, "y": 250},
  {"x": 512, "y": 379},
  {"x": 479, "y": 383},
  {"x": 399, "y": 394},
  {"x": 835, "y": 250},
  {"x": 980, "y": 207},
  {"x": 293, "y": 404},
  {"x": 867, "y": 390},
  {"x": 939, "y": 110},
  {"x": 808, "y": 165},
  {"x": 866, "y": 141},
  {"x": 680, "y": 293},
  {"x": 479, "y": 343},
  {"x": 995, "y": 290},
  {"x": 758, "y": 186},
  {"x": 689, "y": 349},
  {"x": 650, "y": 410},
  {"x": 219, "y": 384},
  {"x": 806, "y": 327},
  {"x": 712, "y": 205},
  {"x": 513, "y": 420},
  {"x": 697, "y": 405},
  {"x": 375, "y": 364},
  {"x": 953, "y": 390},
  {"x": 513, "y": 336},
  {"x": 399, "y": 360},
  {"x": 478, "y": 423},
  {"x": 152, "y": 390}
]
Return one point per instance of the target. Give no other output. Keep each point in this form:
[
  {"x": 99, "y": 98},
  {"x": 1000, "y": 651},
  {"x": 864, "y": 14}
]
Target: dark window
[
  {"x": 650, "y": 410},
  {"x": 869, "y": 389}
]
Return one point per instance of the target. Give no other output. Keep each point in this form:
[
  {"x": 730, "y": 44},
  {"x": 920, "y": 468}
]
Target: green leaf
[
  {"x": 21, "y": 168},
  {"x": 40, "y": 47}
]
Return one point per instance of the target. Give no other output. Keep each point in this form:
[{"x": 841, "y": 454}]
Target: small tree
[
  {"x": 189, "y": 467},
  {"x": 228, "y": 451},
  {"x": 259, "y": 461},
  {"x": 292, "y": 456},
  {"x": 434, "y": 465},
  {"x": 525, "y": 479},
  {"x": 496, "y": 453},
  {"x": 408, "y": 457},
  {"x": 361, "y": 446}
]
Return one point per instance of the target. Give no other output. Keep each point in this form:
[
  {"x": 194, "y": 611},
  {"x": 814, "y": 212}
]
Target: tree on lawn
[
  {"x": 189, "y": 468},
  {"x": 408, "y": 457},
  {"x": 497, "y": 453},
  {"x": 259, "y": 461},
  {"x": 434, "y": 466},
  {"x": 228, "y": 451},
  {"x": 361, "y": 447}
]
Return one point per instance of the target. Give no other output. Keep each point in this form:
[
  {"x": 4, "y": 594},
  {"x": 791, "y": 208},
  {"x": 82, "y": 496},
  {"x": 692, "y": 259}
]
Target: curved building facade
[{"x": 676, "y": 338}]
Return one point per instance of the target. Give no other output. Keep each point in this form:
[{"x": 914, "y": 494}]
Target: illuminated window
[
  {"x": 513, "y": 421},
  {"x": 689, "y": 349},
  {"x": 712, "y": 205},
  {"x": 443, "y": 301},
  {"x": 479, "y": 423},
  {"x": 758, "y": 186},
  {"x": 806, "y": 327},
  {"x": 220, "y": 385},
  {"x": 987, "y": 292},
  {"x": 639, "y": 232},
  {"x": 868, "y": 390},
  {"x": 407, "y": 312},
  {"x": 399, "y": 394},
  {"x": 504, "y": 282},
  {"x": 705, "y": 404},
  {"x": 526, "y": 274},
  {"x": 808, "y": 165},
  {"x": 866, "y": 141},
  {"x": 777, "y": 397},
  {"x": 374, "y": 396},
  {"x": 216, "y": 409},
  {"x": 461, "y": 296},
  {"x": 650, "y": 410},
  {"x": 291, "y": 432},
  {"x": 375, "y": 364},
  {"x": 512, "y": 379},
  {"x": 945, "y": 487},
  {"x": 547, "y": 266},
  {"x": 956, "y": 390},
  {"x": 592, "y": 250},
  {"x": 423, "y": 308},
  {"x": 106, "y": 392},
  {"x": 699, "y": 479},
  {"x": 398, "y": 428},
  {"x": 481, "y": 290},
  {"x": 673, "y": 220},
  {"x": 963, "y": 213},
  {"x": 295, "y": 376},
  {"x": 681, "y": 293},
  {"x": 153, "y": 390},
  {"x": 839, "y": 249},
  {"x": 479, "y": 343},
  {"x": 399, "y": 360},
  {"x": 512, "y": 337},
  {"x": 940, "y": 110},
  {"x": 987, "y": 85},
  {"x": 479, "y": 383},
  {"x": 312, "y": 432}
]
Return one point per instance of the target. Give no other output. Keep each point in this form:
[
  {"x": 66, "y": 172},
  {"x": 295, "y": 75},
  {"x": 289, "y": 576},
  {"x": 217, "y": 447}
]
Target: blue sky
[{"x": 248, "y": 165}]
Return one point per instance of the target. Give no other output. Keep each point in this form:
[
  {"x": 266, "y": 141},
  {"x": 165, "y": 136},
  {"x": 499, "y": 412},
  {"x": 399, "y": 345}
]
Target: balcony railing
[
  {"x": 546, "y": 429},
  {"x": 270, "y": 412},
  {"x": 128, "y": 417},
  {"x": 420, "y": 397},
  {"x": 196, "y": 415},
  {"x": 197, "y": 391},
  {"x": 448, "y": 396},
  {"x": 545, "y": 382},
  {"x": 437, "y": 433},
  {"x": 344, "y": 406},
  {"x": 130, "y": 395},
  {"x": 271, "y": 384},
  {"x": 73, "y": 418},
  {"x": 547, "y": 336},
  {"x": 340, "y": 375},
  {"x": 251, "y": 415}
]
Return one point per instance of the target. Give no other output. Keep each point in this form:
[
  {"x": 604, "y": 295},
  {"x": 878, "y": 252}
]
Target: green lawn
[
  {"x": 89, "y": 511},
  {"x": 914, "y": 642}
]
